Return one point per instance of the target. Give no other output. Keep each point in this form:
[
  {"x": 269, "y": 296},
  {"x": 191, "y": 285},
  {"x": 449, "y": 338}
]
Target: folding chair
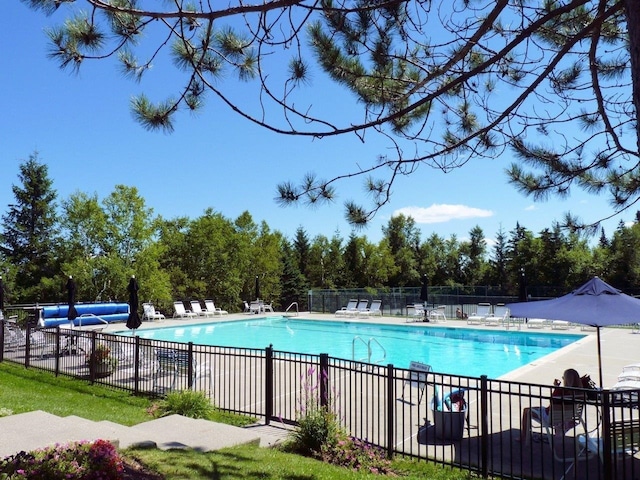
[{"x": 417, "y": 377}]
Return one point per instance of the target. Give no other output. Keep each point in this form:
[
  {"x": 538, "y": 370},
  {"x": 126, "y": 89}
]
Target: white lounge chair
[
  {"x": 483, "y": 310},
  {"x": 537, "y": 323},
  {"x": 561, "y": 325},
  {"x": 150, "y": 313},
  {"x": 197, "y": 309},
  {"x": 500, "y": 316},
  {"x": 349, "y": 309},
  {"x": 374, "y": 309},
  {"x": 211, "y": 308},
  {"x": 180, "y": 312},
  {"x": 362, "y": 309}
]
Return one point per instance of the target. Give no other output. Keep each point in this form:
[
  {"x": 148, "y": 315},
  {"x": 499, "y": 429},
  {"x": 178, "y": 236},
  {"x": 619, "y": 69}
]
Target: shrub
[
  {"x": 187, "y": 403},
  {"x": 317, "y": 428},
  {"x": 317, "y": 425},
  {"x": 357, "y": 455},
  {"x": 98, "y": 460}
]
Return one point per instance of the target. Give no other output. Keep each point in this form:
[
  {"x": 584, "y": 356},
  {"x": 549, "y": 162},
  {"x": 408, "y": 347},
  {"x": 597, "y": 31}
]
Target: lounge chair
[
  {"x": 197, "y": 309},
  {"x": 483, "y": 310},
  {"x": 362, "y": 309},
  {"x": 437, "y": 315},
  {"x": 417, "y": 377},
  {"x": 500, "y": 316},
  {"x": 211, "y": 308},
  {"x": 180, "y": 312},
  {"x": 266, "y": 307},
  {"x": 349, "y": 309},
  {"x": 561, "y": 325},
  {"x": 150, "y": 313},
  {"x": 374, "y": 309},
  {"x": 537, "y": 323}
]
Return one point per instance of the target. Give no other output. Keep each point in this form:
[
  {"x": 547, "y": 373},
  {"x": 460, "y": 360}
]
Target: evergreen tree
[
  {"x": 293, "y": 284},
  {"x": 499, "y": 259},
  {"x": 29, "y": 237},
  {"x": 301, "y": 248}
]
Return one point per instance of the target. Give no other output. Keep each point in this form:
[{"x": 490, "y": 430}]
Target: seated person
[
  {"x": 460, "y": 314},
  {"x": 571, "y": 379}
]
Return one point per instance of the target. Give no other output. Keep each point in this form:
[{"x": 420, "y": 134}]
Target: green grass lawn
[{"x": 23, "y": 390}]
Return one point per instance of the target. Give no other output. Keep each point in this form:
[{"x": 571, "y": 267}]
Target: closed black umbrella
[
  {"x": 133, "y": 321},
  {"x": 424, "y": 295},
  {"x": 257, "y": 287},
  {"x": 1, "y": 296},
  {"x": 424, "y": 291},
  {"x": 72, "y": 314}
]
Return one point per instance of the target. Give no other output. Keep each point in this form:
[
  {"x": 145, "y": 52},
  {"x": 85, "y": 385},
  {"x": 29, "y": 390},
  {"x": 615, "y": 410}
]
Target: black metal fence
[{"x": 472, "y": 423}]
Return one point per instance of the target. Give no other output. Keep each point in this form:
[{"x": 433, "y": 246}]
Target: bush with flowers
[
  {"x": 357, "y": 455},
  {"x": 101, "y": 357},
  {"x": 97, "y": 460},
  {"x": 319, "y": 434}
]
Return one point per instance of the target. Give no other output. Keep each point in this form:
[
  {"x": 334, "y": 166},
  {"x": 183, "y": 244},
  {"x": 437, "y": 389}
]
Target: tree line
[{"x": 102, "y": 242}]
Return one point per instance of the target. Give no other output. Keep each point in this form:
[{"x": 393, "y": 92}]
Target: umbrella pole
[{"x": 599, "y": 356}]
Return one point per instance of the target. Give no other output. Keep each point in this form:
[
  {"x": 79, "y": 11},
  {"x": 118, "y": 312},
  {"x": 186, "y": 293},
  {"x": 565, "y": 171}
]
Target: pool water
[{"x": 458, "y": 351}]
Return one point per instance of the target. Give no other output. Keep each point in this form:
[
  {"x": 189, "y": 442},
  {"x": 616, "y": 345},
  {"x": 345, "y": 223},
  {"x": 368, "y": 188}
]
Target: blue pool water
[{"x": 458, "y": 351}]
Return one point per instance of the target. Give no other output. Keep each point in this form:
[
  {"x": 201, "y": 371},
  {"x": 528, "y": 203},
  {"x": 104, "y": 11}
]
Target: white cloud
[
  {"x": 530, "y": 208},
  {"x": 442, "y": 213}
]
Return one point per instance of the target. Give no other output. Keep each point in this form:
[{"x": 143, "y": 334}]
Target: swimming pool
[{"x": 458, "y": 351}]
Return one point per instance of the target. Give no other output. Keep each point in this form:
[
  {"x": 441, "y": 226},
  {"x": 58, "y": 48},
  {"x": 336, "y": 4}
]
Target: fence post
[
  {"x": 27, "y": 346},
  {"x": 58, "y": 352},
  {"x": 190, "y": 366},
  {"x": 324, "y": 379},
  {"x": 268, "y": 384},
  {"x": 136, "y": 365},
  {"x": 390, "y": 409},
  {"x": 606, "y": 435},
  {"x": 2, "y": 323},
  {"x": 484, "y": 426},
  {"x": 92, "y": 371}
]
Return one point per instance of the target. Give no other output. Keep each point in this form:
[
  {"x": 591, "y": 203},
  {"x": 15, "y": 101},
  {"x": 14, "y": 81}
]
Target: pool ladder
[
  {"x": 372, "y": 342},
  {"x": 289, "y": 307}
]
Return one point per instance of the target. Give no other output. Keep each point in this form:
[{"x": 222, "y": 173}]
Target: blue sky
[{"x": 82, "y": 128}]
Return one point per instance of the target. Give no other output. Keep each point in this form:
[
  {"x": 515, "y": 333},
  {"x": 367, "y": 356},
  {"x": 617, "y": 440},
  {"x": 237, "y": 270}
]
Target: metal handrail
[
  {"x": 375, "y": 340},
  {"x": 296, "y": 304},
  {"x": 90, "y": 315},
  {"x": 353, "y": 349},
  {"x": 369, "y": 349}
]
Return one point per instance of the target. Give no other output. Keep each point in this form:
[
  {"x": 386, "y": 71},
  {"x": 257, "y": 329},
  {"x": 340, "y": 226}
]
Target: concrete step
[{"x": 38, "y": 429}]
